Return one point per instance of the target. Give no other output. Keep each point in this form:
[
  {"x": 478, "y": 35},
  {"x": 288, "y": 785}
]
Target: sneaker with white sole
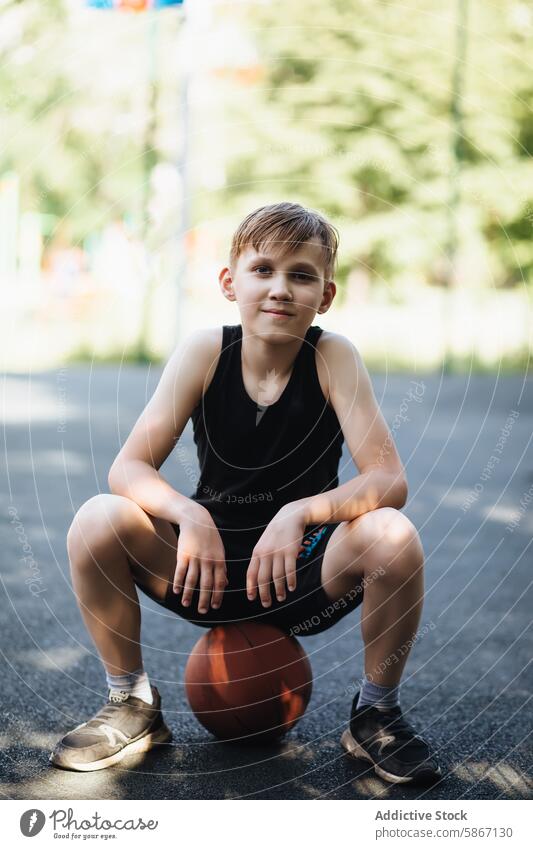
[
  {"x": 125, "y": 725},
  {"x": 390, "y": 743}
]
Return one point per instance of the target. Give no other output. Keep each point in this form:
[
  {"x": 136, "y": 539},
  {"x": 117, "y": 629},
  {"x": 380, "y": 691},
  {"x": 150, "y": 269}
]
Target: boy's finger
[
  {"x": 206, "y": 586},
  {"x": 290, "y": 571},
  {"x": 251, "y": 578},
  {"x": 190, "y": 583},
  {"x": 278, "y": 576},
  {"x": 264, "y": 576},
  {"x": 179, "y": 574},
  {"x": 219, "y": 584}
]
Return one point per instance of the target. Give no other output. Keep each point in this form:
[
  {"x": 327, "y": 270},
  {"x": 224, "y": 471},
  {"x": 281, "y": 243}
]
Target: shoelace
[{"x": 104, "y": 714}]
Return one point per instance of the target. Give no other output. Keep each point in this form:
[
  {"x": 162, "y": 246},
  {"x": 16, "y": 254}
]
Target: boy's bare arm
[
  {"x": 134, "y": 472},
  {"x": 382, "y": 481}
]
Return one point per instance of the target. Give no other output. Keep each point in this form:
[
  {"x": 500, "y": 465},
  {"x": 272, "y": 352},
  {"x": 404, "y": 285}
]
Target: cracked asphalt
[{"x": 468, "y": 682}]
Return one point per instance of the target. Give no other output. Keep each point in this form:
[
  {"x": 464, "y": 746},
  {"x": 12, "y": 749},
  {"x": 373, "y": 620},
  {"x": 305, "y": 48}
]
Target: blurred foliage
[
  {"x": 73, "y": 91},
  {"x": 352, "y": 115}
]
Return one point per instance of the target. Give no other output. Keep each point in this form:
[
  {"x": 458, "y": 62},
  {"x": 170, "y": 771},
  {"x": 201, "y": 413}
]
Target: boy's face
[{"x": 292, "y": 284}]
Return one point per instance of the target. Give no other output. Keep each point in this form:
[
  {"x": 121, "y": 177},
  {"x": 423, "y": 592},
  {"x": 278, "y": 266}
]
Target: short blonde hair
[{"x": 286, "y": 224}]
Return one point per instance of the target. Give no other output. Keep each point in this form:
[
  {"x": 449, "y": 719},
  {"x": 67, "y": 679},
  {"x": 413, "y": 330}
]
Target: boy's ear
[
  {"x": 330, "y": 290},
  {"x": 226, "y": 284}
]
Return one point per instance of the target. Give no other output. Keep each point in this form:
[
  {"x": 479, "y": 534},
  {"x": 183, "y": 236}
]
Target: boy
[{"x": 268, "y": 534}]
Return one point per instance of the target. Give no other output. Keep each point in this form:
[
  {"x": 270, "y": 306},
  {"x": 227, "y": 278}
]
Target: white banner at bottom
[{"x": 266, "y": 824}]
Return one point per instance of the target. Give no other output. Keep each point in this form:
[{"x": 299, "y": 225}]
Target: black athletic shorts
[{"x": 306, "y": 610}]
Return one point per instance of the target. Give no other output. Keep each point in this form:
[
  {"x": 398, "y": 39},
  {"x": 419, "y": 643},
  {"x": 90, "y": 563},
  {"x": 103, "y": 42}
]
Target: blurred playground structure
[{"x": 151, "y": 135}]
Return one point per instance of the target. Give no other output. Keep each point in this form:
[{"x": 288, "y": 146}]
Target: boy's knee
[
  {"x": 387, "y": 537},
  {"x": 102, "y": 518}
]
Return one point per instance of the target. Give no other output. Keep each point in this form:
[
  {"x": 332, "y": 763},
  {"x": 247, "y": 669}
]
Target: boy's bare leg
[
  {"x": 381, "y": 551},
  {"x": 110, "y": 539},
  {"x": 383, "y": 548}
]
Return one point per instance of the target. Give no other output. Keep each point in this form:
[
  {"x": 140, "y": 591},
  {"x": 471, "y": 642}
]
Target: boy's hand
[
  {"x": 201, "y": 556},
  {"x": 274, "y": 556}
]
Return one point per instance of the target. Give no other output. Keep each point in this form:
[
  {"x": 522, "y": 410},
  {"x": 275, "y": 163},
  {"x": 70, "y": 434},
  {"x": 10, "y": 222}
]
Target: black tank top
[{"x": 254, "y": 459}]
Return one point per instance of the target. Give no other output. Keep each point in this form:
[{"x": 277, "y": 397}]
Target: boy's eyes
[{"x": 298, "y": 275}]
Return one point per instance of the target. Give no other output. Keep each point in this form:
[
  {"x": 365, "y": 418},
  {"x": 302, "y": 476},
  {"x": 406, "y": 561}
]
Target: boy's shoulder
[
  {"x": 337, "y": 352},
  {"x": 191, "y": 366},
  {"x": 207, "y": 335},
  {"x": 205, "y": 345},
  {"x": 203, "y": 341},
  {"x": 340, "y": 366},
  {"x": 334, "y": 340},
  {"x": 337, "y": 347},
  {"x": 338, "y": 360},
  {"x": 337, "y": 364},
  {"x": 329, "y": 339},
  {"x": 204, "y": 349}
]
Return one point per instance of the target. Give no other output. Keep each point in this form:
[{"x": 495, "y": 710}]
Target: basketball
[{"x": 248, "y": 682}]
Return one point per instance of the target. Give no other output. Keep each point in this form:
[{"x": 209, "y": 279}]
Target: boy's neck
[{"x": 269, "y": 361}]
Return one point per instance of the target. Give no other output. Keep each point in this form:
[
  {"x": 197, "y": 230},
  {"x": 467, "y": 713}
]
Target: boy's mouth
[{"x": 278, "y": 312}]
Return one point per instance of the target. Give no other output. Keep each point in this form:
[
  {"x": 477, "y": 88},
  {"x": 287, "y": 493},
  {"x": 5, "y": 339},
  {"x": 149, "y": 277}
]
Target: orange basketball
[{"x": 248, "y": 682}]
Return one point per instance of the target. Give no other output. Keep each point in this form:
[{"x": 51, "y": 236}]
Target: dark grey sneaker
[
  {"x": 124, "y": 726},
  {"x": 390, "y": 743}
]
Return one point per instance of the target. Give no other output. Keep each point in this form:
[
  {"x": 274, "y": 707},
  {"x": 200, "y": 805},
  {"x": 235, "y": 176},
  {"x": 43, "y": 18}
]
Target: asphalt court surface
[{"x": 468, "y": 682}]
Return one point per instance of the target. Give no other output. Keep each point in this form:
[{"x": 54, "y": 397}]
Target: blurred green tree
[
  {"x": 74, "y": 91},
  {"x": 352, "y": 115}
]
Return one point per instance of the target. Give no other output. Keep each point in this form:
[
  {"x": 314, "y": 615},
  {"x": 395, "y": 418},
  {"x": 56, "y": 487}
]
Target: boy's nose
[{"x": 279, "y": 286}]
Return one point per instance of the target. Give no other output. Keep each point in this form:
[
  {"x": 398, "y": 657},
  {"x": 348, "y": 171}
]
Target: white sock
[
  {"x": 375, "y": 695},
  {"x": 134, "y": 683}
]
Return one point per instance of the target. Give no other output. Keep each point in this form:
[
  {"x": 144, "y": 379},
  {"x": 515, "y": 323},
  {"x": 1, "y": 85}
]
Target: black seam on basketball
[{"x": 241, "y": 632}]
